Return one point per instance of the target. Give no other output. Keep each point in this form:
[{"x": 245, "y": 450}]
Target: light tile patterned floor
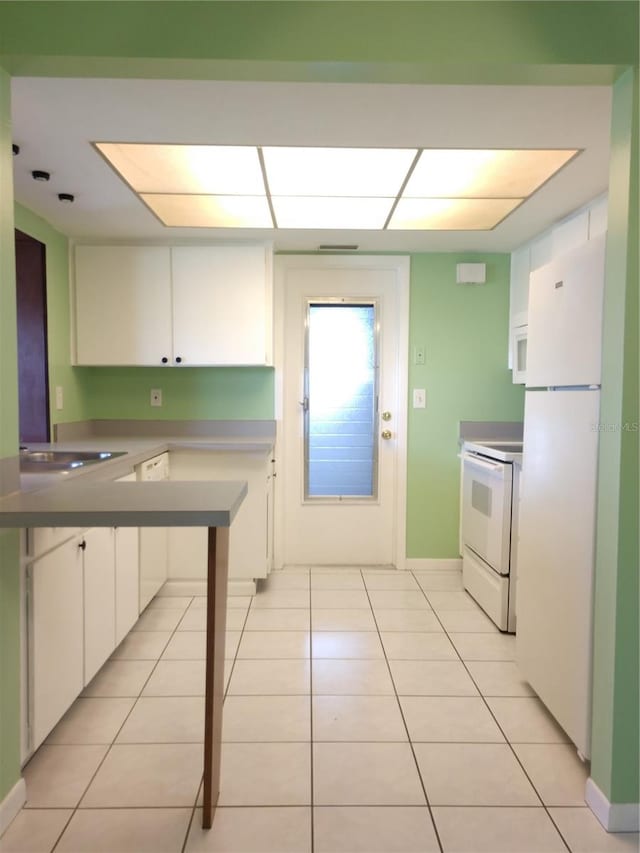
[{"x": 366, "y": 712}]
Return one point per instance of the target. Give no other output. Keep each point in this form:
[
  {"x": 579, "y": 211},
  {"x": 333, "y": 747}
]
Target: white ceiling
[{"x": 55, "y": 120}]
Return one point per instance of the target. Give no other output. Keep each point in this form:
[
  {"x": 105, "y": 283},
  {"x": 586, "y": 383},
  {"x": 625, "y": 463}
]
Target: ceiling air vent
[{"x": 337, "y": 247}]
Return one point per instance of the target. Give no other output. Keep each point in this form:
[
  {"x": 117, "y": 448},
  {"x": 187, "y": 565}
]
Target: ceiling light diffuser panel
[
  {"x": 214, "y": 169},
  {"x": 210, "y": 211},
  {"x": 359, "y": 214},
  {"x": 354, "y": 172},
  {"x": 450, "y": 214},
  {"x": 462, "y": 173}
]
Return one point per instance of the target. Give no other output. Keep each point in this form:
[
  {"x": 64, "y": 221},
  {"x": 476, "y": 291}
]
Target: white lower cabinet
[
  {"x": 99, "y": 598},
  {"x": 55, "y": 637},
  {"x": 154, "y": 545},
  {"x": 127, "y": 593},
  {"x": 250, "y": 539}
]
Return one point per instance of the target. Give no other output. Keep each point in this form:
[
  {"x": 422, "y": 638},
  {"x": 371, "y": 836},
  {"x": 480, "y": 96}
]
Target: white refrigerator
[{"x": 558, "y": 486}]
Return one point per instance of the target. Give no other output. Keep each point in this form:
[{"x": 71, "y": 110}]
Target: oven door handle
[{"x": 485, "y": 464}]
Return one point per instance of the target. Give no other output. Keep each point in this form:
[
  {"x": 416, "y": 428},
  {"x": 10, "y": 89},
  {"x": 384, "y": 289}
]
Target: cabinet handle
[
  {"x": 164, "y": 359},
  {"x": 178, "y": 360},
  {"x": 82, "y": 545}
]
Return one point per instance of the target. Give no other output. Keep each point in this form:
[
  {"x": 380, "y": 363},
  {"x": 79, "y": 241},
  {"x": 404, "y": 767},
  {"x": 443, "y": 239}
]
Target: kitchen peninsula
[{"x": 176, "y": 504}]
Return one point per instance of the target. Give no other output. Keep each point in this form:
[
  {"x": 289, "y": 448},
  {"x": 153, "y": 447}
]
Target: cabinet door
[
  {"x": 99, "y": 599},
  {"x": 55, "y": 637},
  {"x": 222, "y": 305},
  {"x": 123, "y": 305},
  {"x": 154, "y": 545},
  {"x": 127, "y": 580}
]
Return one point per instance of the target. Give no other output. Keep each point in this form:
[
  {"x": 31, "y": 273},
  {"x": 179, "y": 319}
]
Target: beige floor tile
[
  {"x": 398, "y": 599},
  {"x": 556, "y": 772},
  {"x": 336, "y": 580},
  {"x": 91, "y": 721},
  {"x": 451, "y": 600},
  {"x": 365, "y": 774},
  {"x": 351, "y": 677},
  {"x": 357, "y": 718},
  {"x": 275, "y": 644},
  {"x": 279, "y": 619},
  {"x": 390, "y": 580},
  {"x": 165, "y": 719},
  {"x": 233, "y": 602},
  {"x": 346, "y": 644},
  {"x": 340, "y": 599},
  {"x": 439, "y": 580},
  {"x": 471, "y": 621},
  {"x": 484, "y": 646},
  {"x": 431, "y": 678},
  {"x": 186, "y": 645},
  {"x": 142, "y": 645},
  {"x": 342, "y": 620},
  {"x": 34, "y": 831},
  {"x": 584, "y": 833},
  {"x": 231, "y": 643},
  {"x": 286, "y": 580},
  {"x": 473, "y": 774},
  {"x": 265, "y": 774},
  {"x": 119, "y": 678},
  {"x": 371, "y": 829},
  {"x": 526, "y": 720},
  {"x": 147, "y": 775},
  {"x": 171, "y": 602},
  {"x": 270, "y": 677},
  {"x": 159, "y": 619},
  {"x": 281, "y": 598},
  {"x": 236, "y": 618},
  {"x": 499, "y": 678},
  {"x": 176, "y": 678},
  {"x": 57, "y": 776},
  {"x": 126, "y": 831},
  {"x": 253, "y": 830},
  {"x": 407, "y": 620},
  {"x": 266, "y": 718},
  {"x": 187, "y": 587},
  {"x": 449, "y": 718},
  {"x": 493, "y": 830},
  {"x": 196, "y": 619},
  {"x": 413, "y": 645}
]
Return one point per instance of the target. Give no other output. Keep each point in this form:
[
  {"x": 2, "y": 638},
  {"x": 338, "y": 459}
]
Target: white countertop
[{"x": 139, "y": 504}]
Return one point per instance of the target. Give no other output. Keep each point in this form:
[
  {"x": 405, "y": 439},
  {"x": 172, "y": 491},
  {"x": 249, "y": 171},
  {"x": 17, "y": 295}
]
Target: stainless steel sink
[{"x": 43, "y": 461}]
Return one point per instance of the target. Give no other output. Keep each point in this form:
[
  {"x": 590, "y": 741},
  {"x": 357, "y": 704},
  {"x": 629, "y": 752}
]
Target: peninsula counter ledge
[{"x": 156, "y": 504}]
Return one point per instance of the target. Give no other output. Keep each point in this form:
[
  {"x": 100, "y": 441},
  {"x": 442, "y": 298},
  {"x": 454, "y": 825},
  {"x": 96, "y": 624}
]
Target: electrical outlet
[
  {"x": 59, "y": 398},
  {"x": 156, "y": 397},
  {"x": 418, "y": 355},
  {"x": 419, "y": 398}
]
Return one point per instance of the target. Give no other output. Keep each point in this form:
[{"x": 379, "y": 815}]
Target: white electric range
[{"x": 489, "y": 520}]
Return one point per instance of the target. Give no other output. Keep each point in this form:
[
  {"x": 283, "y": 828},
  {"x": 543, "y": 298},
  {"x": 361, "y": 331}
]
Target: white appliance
[
  {"x": 490, "y": 473},
  {"x": 154, "y": 541},
  {"x": 558, "y": 494}
]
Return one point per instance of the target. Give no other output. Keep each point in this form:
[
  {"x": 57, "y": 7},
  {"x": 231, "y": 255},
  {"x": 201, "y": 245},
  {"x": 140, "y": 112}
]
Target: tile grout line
[
  {"x": 311, "y": 731},
  {"x": 488, "y": 707}
]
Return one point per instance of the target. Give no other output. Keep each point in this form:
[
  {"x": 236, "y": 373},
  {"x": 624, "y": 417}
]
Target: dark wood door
[{"x": 33, "y": 381}]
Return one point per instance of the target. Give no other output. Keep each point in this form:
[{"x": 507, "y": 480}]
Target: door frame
[{"x": 400, "y": 264}]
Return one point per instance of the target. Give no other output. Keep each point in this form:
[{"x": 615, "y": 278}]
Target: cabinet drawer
[{"x": 489, "y": 589}]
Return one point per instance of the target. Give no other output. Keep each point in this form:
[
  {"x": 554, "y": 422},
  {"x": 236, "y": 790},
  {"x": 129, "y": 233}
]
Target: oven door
[{"x": 486, "y": 509}]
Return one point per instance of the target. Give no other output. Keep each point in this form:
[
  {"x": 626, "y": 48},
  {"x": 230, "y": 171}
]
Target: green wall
[
  {"x": 58, "y": 316},
  {"x": 198, "y": 393},
  {"x": 569, "y": 41},
  {"x": 464, "y": 330}
]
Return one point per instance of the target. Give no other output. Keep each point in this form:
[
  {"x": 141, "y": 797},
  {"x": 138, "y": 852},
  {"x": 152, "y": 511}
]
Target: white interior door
[{"x": 361, "y": 523}]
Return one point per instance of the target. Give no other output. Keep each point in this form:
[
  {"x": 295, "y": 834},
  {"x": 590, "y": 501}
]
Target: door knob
[
  {"x": 386, "y": 434},
  {"x": 386, "y": 416}
]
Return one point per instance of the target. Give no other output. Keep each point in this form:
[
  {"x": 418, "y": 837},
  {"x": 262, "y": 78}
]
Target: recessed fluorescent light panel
[{"x": 227, "y": 186}]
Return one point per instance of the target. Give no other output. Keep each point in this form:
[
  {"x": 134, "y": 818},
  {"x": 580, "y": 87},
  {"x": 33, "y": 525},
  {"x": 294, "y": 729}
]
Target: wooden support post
[{"x": 217, "y": 571}]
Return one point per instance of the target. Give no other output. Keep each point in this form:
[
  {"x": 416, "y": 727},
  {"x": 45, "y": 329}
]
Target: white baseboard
[
  {"x": 427, "y": 564},
  {"x": 178, "y": 588},
  {"x": 615, "y": 817},
  {"x": 12, "y": 804}
]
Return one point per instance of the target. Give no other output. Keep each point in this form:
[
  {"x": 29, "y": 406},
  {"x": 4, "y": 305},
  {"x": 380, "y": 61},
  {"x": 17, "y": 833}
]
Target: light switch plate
[
  {"x": 419, "y": 398},
  {"x": 418, "y": 355},
  {"x": 156, "y": 397}
]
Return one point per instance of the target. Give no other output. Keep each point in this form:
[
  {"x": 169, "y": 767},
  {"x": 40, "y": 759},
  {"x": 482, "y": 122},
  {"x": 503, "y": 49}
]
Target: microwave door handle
[{"x": 486, "y": 464}]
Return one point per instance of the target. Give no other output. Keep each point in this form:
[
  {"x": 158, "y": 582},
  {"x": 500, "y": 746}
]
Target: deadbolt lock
[
  {"x": 386, "y": 434},
  {"x": 386, "y": 416}
]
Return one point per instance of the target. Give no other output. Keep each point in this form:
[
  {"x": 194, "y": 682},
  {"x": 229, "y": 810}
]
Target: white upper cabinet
[
  {"x": 123, "y": 305},
  {"x": 161, "y": 305},
  {"x": 221, "y": 305}
]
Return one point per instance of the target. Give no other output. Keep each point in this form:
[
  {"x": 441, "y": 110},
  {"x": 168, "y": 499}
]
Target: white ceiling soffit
[{"x": 55, "y": 122}]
